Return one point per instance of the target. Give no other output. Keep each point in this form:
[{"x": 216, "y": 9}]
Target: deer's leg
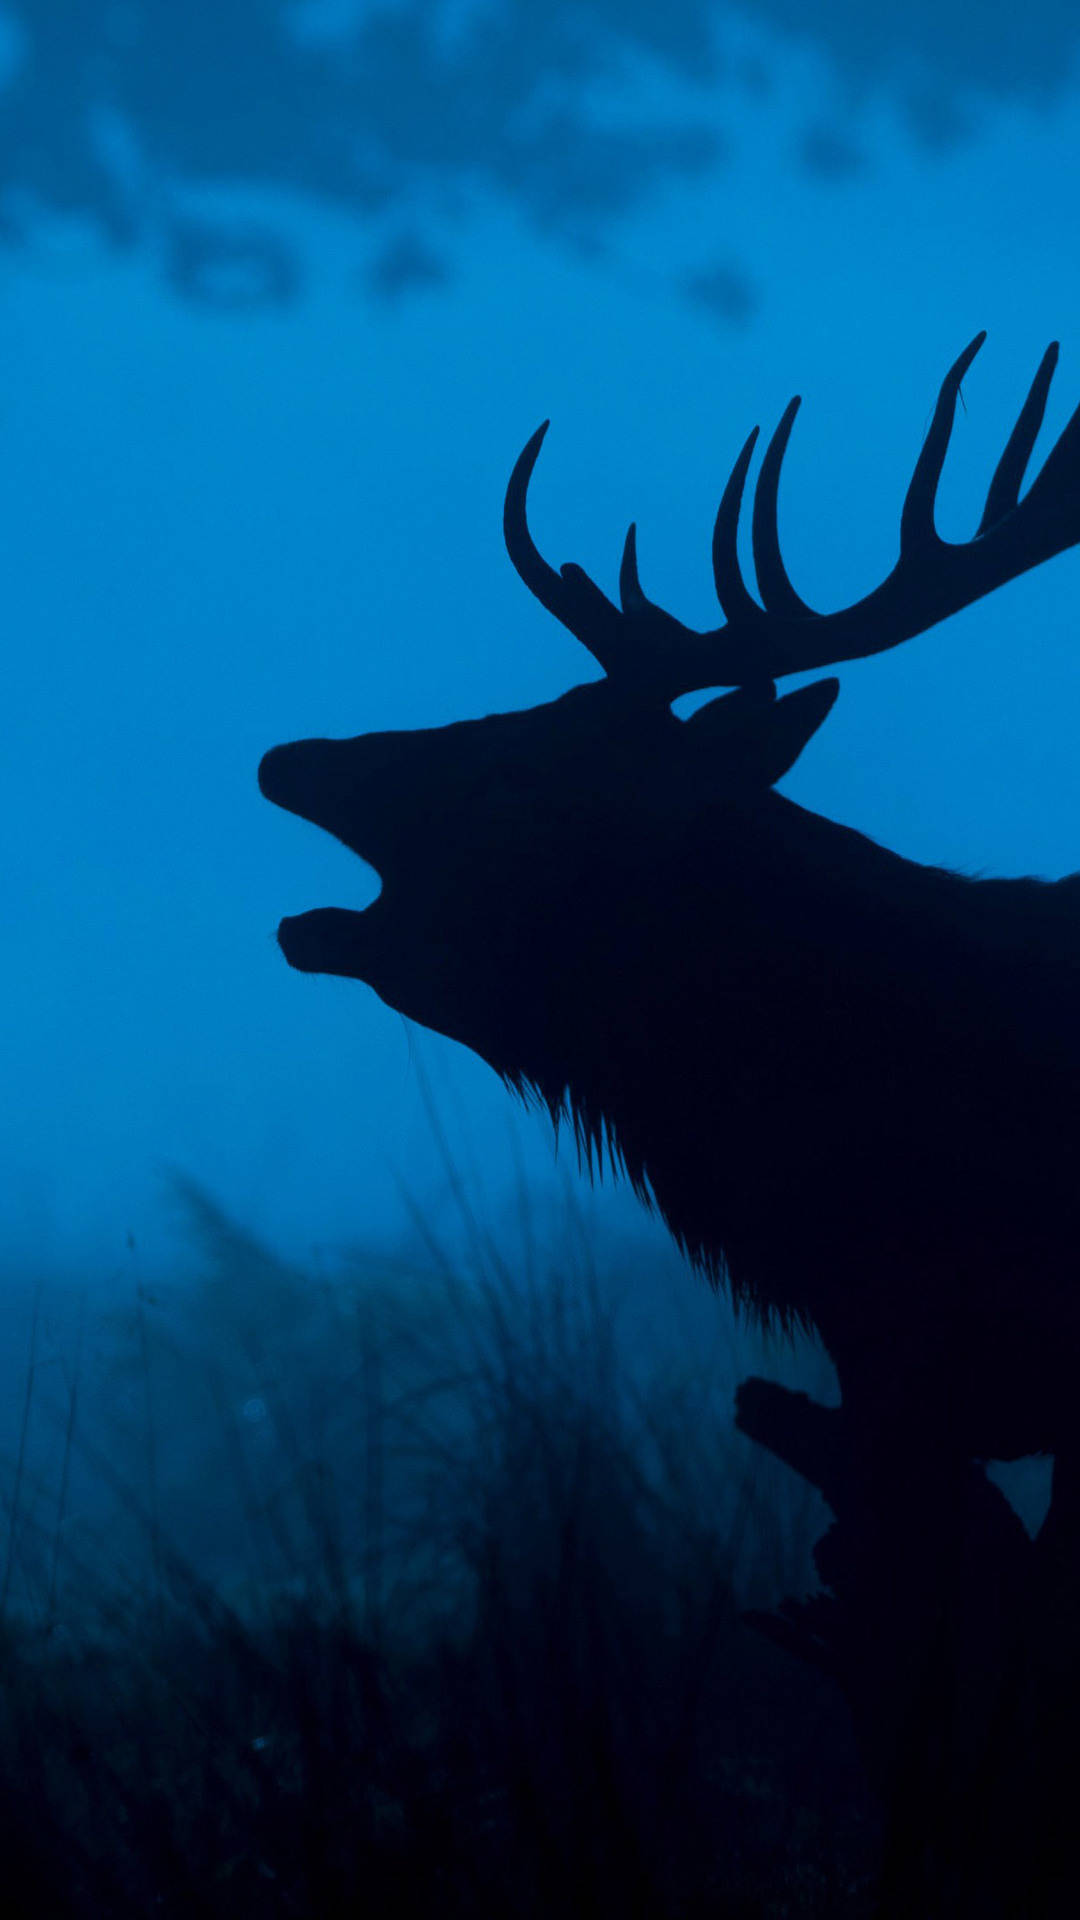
[
  {"x": 1042, "y": 1795},
  {"x": 926, "y": 1564}
]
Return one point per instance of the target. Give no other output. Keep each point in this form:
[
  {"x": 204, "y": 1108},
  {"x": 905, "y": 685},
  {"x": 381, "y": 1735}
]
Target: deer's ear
[
  {"x": 792, "y": 722},
  {"x": 758, "y": 740}
]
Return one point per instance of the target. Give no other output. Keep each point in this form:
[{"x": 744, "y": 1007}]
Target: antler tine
[
  {"x": 1053, "y": 497},
  {"x": 1004, "y": 493},
  {"x": 540, "y": 578},
  {"x": 737, "y": 603},
  {"x": 575, "y": 600},
  {"x": 777, "y": 592},
  {"x": 632, "y": 597},
  {"x": 918, "y": 533}
]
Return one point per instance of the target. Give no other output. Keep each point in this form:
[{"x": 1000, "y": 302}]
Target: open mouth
[{"x": 304, "y": 778}]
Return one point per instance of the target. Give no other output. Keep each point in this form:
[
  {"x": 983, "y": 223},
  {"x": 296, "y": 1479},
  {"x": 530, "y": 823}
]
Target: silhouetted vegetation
[{"x": 430, "y": 1603}]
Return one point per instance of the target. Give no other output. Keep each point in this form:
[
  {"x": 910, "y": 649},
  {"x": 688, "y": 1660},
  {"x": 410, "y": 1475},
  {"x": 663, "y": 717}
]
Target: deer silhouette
[{"x": 847, "y": 1081}]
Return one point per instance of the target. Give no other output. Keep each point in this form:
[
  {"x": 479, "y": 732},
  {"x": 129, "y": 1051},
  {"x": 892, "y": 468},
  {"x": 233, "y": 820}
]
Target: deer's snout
[
  {"x": 321, "y": 781},
  {"x": 297, "y": 776}
]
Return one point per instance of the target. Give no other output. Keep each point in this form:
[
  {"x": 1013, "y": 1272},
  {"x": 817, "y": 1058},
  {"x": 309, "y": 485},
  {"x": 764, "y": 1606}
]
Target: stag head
[
  {"x": 519, "y": 851},
  {"x": 528, "y": 858}
]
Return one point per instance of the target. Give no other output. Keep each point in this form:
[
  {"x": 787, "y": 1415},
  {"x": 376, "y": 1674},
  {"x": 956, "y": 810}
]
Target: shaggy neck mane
[{"x": 725, "y": 1069}]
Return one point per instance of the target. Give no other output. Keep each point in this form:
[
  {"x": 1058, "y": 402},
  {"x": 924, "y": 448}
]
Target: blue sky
[{"x": 227, "y": 527}]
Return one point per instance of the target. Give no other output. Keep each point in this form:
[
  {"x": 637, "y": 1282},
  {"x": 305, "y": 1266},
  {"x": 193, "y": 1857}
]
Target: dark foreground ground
[
  {"x": 401, "y": 1620},
  {"x": 212, "y": 1770}
]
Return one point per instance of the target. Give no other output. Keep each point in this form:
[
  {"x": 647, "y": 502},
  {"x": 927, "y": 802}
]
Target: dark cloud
[
  {"x": 830, "y": 154},
  {"x": 725, "y": 291},
  {"x": 996, "y": 48},
  {"x": 117, "y": 114},
  {"x": 405, "y": 264},
  {"x": 235, "y": 267},
  {"x": 121, "y": 113}
]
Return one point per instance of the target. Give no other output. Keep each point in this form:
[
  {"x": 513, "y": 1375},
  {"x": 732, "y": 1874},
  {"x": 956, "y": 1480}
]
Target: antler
[{"x": 643, "y": 646}]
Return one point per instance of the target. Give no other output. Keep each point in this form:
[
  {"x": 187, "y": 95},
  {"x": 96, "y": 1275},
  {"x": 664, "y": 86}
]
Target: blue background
[{"x": 283, "y": 291}]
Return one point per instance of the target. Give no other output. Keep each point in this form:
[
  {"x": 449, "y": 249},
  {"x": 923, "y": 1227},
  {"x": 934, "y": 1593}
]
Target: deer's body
[
  {"x": 849, "y": 1081},
  {"x": 853, "y": 1085}
]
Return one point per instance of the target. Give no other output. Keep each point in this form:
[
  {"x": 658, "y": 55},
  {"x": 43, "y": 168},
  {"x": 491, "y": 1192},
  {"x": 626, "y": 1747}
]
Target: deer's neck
[{"x": 804, "y": 1024}]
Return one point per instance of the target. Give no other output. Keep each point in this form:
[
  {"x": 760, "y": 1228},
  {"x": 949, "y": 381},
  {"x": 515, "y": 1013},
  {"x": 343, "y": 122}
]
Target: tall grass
[{"x": 406, "y": 1593}]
